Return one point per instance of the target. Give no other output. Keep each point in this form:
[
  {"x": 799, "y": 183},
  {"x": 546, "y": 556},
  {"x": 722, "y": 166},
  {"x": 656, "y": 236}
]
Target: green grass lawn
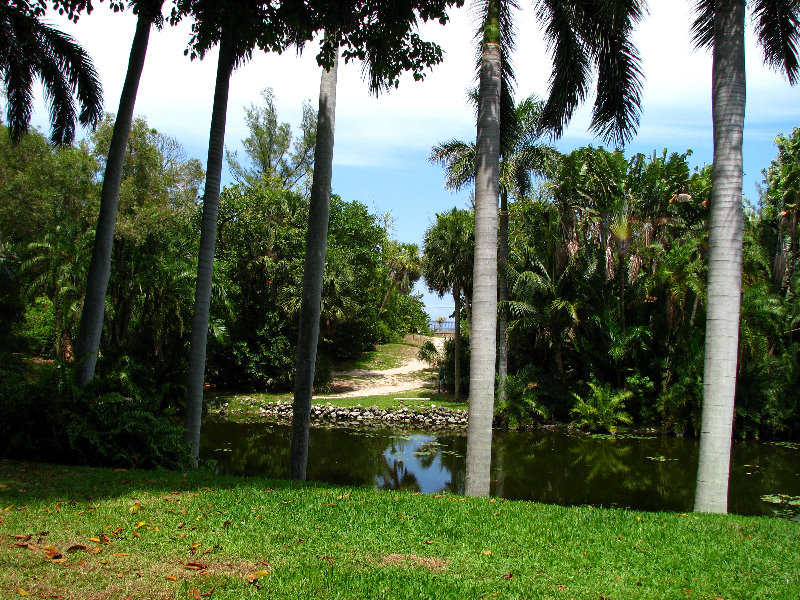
[
  {"x": 96, "y": 533},
  {"x": 385, "y": 356}
]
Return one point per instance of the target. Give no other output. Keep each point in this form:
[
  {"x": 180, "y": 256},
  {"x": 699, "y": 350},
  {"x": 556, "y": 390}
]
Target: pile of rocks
[{"x": 429, "y": 417}]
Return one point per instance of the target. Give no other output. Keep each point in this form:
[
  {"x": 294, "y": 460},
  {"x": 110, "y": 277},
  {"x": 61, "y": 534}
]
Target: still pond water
[{"x": 648, "y": 473}]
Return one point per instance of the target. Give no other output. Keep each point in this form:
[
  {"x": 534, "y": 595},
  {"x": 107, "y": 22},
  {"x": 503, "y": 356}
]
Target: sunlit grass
[
  {"x": 102, "y": 534},
  {"x": 384, "y": 357}
]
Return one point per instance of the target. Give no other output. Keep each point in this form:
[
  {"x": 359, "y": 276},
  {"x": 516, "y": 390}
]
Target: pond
[{"x": 556, "y": 467}]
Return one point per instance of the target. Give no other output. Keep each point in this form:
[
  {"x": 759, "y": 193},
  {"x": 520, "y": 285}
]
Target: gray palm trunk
[
  {"x": 483, "y": 333},
  {"x": 316, "y": 242},
  {"x": 725, "y": 258},
  {"x": 208, "y": 238},
  {"x": 502, "y": 296},
  {"x": 457, "y": 341},
  {"x": 91, "y": 327}
]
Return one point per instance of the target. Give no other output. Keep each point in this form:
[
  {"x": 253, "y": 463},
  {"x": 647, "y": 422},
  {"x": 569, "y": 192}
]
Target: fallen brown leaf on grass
[
  {"x": 76, "y": 548},
  {"x": 254, "y": 576},
  {"x": 193, "y": 566}
]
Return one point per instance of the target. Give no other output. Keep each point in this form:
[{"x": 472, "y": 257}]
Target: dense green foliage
[
  {"x": 45, "y": 416},
  {"x": 48, "y": 202},
  {"x": 607, "y": 284},
  {"x": 260, "y": 250}
]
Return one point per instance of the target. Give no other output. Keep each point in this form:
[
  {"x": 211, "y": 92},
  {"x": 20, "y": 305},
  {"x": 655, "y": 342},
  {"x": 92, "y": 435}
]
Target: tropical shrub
[
  {"x": 602, "y": 409},
  {"x": 44, "y": 416},
  {"x": 522, "y": 404},
  {"x": 429, "y": 353}
]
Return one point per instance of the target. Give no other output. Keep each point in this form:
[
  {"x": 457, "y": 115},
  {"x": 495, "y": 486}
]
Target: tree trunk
[
  {"x": 316, "y": 241},
  {"x": 483, "y": 332},
  {"x": 725, "y": 258},
  {"x": 208, "y": 237},
  {"x": 91, "y": 327},
  {"x": 502, "y": 296},
  {"x": 457, "y": 342},
  {"x": 386, "y": 296}
]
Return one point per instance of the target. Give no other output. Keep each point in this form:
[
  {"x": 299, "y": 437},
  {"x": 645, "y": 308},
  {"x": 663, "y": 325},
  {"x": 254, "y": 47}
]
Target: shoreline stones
[{"x": 438, "y": 417}]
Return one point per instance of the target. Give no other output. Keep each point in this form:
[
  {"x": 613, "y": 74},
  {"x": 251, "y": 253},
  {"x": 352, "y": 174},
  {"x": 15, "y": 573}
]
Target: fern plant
[{"x": 603, "y": 409}]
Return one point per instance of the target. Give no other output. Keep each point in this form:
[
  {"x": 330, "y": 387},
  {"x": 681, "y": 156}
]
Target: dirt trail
[{"x": 410, "y": 375}]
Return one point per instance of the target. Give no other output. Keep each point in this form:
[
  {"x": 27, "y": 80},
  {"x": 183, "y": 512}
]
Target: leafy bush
[
  {"x": 36, "y": 332},
  {"x": 44, "y": 416},
  {"x": 603, "y": 409},
  {"x": 403, "y": 315},
  {"x": 523, "y": 404},
  {"x": 429, "y": 353}
]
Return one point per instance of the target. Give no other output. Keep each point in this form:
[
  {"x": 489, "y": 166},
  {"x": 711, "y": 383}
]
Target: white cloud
[{"x": 176, "y": 94}]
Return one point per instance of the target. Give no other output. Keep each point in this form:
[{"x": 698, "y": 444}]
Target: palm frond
[
  {"x": 703, "y": 26},
  {"x": 31, "y": 49},
  {"x": 571, "y": 74},
  {"x": 458, "y": 160},
  {"x": 778, "y": 29},
  {"x": 619, "y": 82}
]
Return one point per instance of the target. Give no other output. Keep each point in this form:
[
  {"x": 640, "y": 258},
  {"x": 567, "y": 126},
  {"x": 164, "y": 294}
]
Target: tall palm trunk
[
  {"x": 316, "y": 242},
  {"x": 457, "y": 341},
  {"x": 91, "y": 327},
  {"x": 725, "y": 258},
  {"x": 502, "y": 296},
  {"x": 208, "y": 239},
  {"x": 483, "y": 332}
]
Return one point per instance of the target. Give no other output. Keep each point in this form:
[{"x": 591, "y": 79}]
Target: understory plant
[
  {"x": 523, "y": 404},
  {"x": 45, "y": 416},
  {"x": 602, "y": 409}
]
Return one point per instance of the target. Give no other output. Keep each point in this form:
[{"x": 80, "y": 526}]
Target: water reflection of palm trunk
[{"x": 397, "y": 477}]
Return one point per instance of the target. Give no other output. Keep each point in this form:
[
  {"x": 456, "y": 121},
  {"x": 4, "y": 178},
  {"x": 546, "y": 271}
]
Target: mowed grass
[
  {"x": 384, "y": 357},
  {"x": 99, "y": 534}
]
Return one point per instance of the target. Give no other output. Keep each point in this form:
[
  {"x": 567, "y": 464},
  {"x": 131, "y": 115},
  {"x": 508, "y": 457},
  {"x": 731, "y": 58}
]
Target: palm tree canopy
[
  {"x": 777, "y": 25},
  {"x": 29, "y": 49},
  {"x": 448, "y": 251},
  {"x": 585, "y": 35},
  {"x": 521, "y": 153},
  {"x": 383, "y": 34}
]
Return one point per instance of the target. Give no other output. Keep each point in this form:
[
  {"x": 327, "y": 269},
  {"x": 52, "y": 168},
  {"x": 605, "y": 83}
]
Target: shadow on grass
[{"x": 23, "y": 483}]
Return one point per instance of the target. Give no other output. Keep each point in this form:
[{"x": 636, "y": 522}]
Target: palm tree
[
  {"x": 405, "y": 269},
  {"x": 720, "y": 25},
  {"x": 583, "y": 34},
  {"x": 30, "y": 49},
  {"x": 237, "y": 29},
  {"x": 362, "y": 30},
  {"x": 316, "y": 242},
  {"x": 521, "y": 154},
  {"x": 148, "y": 13},
  {"x": 448, "y": 248}
]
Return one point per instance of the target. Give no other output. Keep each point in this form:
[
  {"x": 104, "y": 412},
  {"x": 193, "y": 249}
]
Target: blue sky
[{"x": 382, "y": 143}]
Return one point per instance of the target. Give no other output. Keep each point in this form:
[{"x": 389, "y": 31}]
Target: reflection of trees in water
[
  {"x": 544, "y": 466},
  {"x": 603, "y": 457},
  {"x": 246, "y": 449},
  {"x": 397, "y": 477}
]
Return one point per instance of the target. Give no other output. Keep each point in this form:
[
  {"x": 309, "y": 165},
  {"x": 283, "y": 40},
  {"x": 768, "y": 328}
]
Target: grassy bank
[
  {"x": 92, "y": 533},
  {"x": 245, "y": 407}
]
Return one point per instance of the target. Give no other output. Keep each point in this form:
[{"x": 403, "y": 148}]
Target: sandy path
[{"x": 363, "y": 382}]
